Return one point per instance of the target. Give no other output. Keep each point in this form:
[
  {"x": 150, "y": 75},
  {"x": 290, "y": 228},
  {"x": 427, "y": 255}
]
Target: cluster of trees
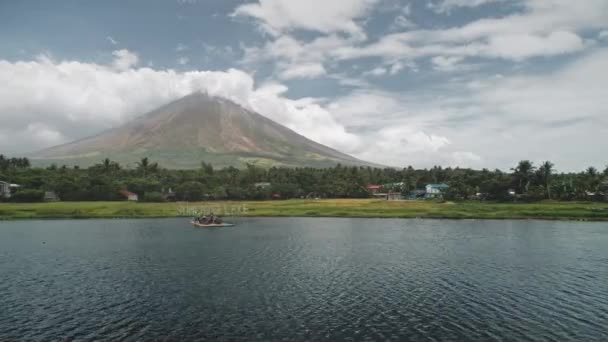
[
  {"x": 527, "y": 182},
  {"x": 103, "y": 181},
  {"x": 12, "y": 163}
]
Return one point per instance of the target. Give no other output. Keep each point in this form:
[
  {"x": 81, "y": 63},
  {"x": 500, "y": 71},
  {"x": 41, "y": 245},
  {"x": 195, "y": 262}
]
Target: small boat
[{"x": 212, "y": 225}]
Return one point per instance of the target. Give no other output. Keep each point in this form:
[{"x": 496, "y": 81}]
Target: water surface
[{"x": 304, "y": 279}]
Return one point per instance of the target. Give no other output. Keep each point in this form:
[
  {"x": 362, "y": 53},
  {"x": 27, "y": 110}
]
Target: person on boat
[{"x": 211, "y": 219}]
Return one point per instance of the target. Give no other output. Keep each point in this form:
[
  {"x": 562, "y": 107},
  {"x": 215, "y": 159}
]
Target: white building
[
  {"x": 130, "y": 196},
  {"x": 50, "y": 196},
  {"x": 5, "y": 189},
  {"x": 435, "y": 190}
]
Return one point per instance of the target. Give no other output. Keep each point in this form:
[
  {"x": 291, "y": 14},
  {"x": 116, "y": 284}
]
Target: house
[
  {"x": 373, "y": 188},
  {"x": 594, "y": 196},
  {"x": 262, "y": 185},
  {"x": 394, "y": 186},
  {"x": 130, "y": 196},
  {"x": 435, "y": 190},
  {"x": 416, "y": 194},
  {"x": 50, "y": 196},
  {"x": 5, "y": 190},
  {"x": 393, "y": 196},
  {"x": 479, "y": 196},
  {"x": 170, "y": 195}
]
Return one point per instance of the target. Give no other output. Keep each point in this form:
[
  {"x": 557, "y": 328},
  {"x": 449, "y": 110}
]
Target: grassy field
[{"x": 331, "y": 207}]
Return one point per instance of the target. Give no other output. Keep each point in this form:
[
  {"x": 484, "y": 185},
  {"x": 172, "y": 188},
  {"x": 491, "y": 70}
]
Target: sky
[{"x": 469, "y": 83}]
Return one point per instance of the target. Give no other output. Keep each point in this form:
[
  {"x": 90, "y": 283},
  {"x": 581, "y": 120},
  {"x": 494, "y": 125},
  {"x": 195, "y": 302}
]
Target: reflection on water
[{"x": 304, "y": 279}]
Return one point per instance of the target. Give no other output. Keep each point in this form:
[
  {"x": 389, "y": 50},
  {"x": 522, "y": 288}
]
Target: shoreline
[
  {"x": 338, "y": 208},
  {"x": 188, "y": 218}
]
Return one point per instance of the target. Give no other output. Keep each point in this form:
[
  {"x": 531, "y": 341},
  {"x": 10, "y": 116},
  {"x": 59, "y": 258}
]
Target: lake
[{"x": 304, "y": 279}]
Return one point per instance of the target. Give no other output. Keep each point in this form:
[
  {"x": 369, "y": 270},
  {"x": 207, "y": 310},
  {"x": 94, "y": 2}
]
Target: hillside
[{"x": 198, "y": 128}]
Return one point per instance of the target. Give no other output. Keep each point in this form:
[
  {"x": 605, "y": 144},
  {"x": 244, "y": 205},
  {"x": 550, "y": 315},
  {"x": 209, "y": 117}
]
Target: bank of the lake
[{"x": 552, "y": 210}]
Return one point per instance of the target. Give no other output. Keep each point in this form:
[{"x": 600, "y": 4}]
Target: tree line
[{"x": 103, "y": 181}]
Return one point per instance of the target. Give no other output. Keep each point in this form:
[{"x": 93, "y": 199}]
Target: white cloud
[
  {"x": 603, "y": 35},
  {"x": 183, "y": 60},
  {"x": 307, "y": 70},
  {"x": 535, "y": 28},
  {"x": 278, "y": 16},
  {"x": 289, "y": 49},
  {"x": 401, "y": 145},
  {"x": 538, "y": 17},
  {"x": 111, "y": 40},
  {"x": 521, "y": 46},
  {"x": 378, "y": 71},
  {"x": 52, "y": 102},
  {"x": 181, "y": 47},
  {"x": 446, "y": 6},
  {"x": 571, "y": 93},
  {"x": 396, "y": 67},
  {"x": 124, "y": 59},
  {"x": 345, "y": 80},
  {"x": 44, "y": 135},
  {"x": 541, "y": 28},
  {"x": 442, "y": 63},
  {"x": 466, "y": 158},
  {"x": 560, "y": 115},
  {"x": 505, "y": 46},
  {"x": 403, "y": 21}
]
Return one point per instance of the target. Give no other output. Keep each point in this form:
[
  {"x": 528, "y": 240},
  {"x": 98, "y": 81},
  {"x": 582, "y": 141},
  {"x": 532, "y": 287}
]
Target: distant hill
[{"x": 198, "y": 128}]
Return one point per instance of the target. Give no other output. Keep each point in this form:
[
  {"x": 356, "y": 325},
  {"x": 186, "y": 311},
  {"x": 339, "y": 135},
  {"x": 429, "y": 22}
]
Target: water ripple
[{"x": 304, "y": 279}]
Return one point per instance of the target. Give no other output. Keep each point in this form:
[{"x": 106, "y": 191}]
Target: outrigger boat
[{"x": 211, "y": 225}]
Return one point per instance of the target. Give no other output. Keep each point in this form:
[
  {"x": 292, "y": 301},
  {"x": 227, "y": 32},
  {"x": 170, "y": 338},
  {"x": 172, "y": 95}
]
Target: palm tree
[
  {"x": 523, "y": 173},
  {"x": 109, "y": 166},
  {"x": 207, "y": 168},
  {"x": 106, "y": 165},
  {"x": 143, "y": 165},
  {"x": 3, "y": 162},
  {"x": 546, "y": 171},
  {"x": 592, "y": 178}
]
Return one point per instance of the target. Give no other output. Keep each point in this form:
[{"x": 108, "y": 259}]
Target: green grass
[{"x": 329, "y": 208}]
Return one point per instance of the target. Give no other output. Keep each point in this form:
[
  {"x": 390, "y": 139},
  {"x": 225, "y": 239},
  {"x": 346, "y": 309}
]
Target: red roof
[
  {"x": 373, "y": 186},
  {"x": 127, "y": 193}
]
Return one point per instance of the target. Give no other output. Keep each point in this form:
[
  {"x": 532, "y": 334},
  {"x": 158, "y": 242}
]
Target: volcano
[{"x": 197, "y": 128}]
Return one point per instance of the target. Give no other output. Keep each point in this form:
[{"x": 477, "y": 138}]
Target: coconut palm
[
  {"x": 109, "y": 166},
  {"x": 523, "y": 173},
  {"x": 143, "y": 165},
  {"x": 545, "y": 172},
  {"x": 592, "y": 178}
]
